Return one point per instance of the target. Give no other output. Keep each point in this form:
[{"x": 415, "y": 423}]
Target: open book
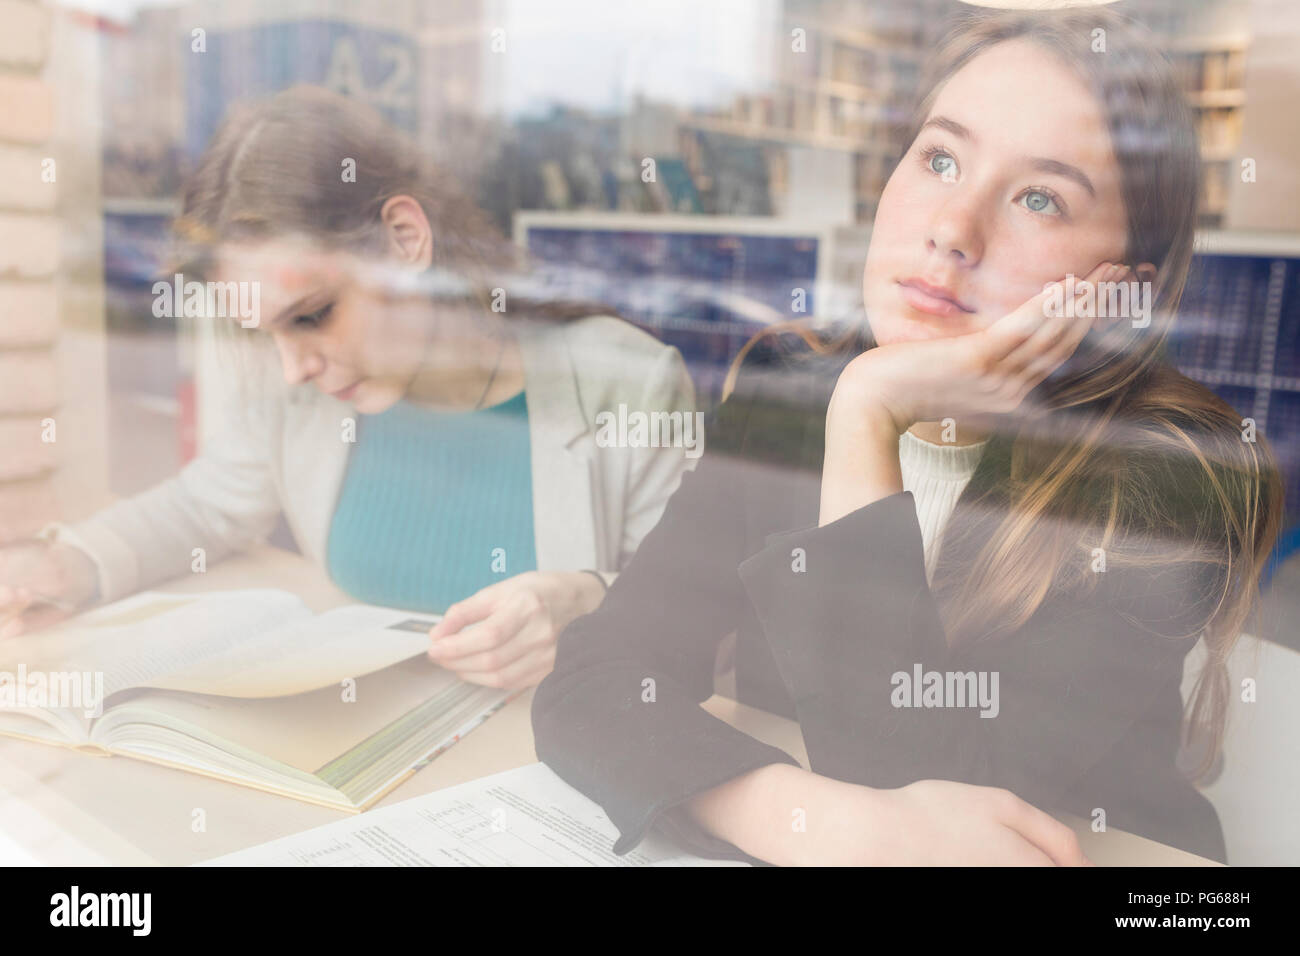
[{"x": 248, "y": 686}]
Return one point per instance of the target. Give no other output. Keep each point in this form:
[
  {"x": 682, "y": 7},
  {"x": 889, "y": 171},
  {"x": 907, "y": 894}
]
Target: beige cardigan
[{"x": 592, "y": 505}]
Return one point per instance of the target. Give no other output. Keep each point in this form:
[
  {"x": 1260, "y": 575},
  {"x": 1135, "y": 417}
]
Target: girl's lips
[
  {"x": 346, "y": 393},
  {"x": 927, "y": 301}
]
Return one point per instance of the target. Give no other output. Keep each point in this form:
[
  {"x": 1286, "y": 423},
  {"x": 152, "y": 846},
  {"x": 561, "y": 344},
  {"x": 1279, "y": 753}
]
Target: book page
[
  {"x": 523, "y": 817},
  {"x": 306, "y": 654},
  {"x": 139, "y": 641},
  {"x": 305, "y": 731},
  {"x": 243, "y": 643}
]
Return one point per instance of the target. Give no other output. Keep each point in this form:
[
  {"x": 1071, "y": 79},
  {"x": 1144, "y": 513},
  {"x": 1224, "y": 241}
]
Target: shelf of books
[{"x": 1238, "y": 333}]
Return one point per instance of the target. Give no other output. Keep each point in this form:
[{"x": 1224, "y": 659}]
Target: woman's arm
[
  {"x": 519, "y": 619},
  {"x": 1038, "y": 709},
  {"x": 788, "y": 816},
  {"x": 857, "y": 636},
  {"x": 619, "y": 717},
  {"x": 223, "y": 501},
  {"x": 656, "y": 473},
  {"x": 861, "y": 468}
]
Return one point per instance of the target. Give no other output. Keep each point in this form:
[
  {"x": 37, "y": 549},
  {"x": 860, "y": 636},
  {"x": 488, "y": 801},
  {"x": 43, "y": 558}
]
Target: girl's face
[
  {"x": 1011, "y": 183},
  {"x": 334, "y": 320}
]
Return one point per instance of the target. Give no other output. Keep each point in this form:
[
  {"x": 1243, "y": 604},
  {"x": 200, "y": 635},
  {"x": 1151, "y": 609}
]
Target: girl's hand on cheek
[
  {"x": 968, "y": 378},
  {"x": 965, "y": 377}
]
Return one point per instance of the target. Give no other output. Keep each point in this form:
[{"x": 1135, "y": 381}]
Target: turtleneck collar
[{"x": 940, "y": 461}]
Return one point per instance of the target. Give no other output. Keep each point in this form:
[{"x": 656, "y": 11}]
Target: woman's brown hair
[
  {"x": 1116, "y": 451},
  {"x": 276, "y": 168}
]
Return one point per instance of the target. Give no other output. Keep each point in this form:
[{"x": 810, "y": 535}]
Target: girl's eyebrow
[
  {"x": 1058, "y": 168},
  {"x": 1042, "y": 164},
  {"x": 951, "y": 125}
]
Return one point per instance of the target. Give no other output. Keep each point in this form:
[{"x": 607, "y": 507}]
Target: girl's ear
[
  {"x": 1146, "y": 272},
  {"x": 410, "y": 237}
]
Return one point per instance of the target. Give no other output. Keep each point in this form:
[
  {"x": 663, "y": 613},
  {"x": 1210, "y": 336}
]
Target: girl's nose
[
  {"x": 299, "y": 363},
  {"x": 955, "y": 232}
]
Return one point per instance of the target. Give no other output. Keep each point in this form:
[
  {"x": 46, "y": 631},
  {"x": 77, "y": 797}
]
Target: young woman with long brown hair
[
  {"x": 987, "y": 483},
  {"x": 472, "y": 482}
]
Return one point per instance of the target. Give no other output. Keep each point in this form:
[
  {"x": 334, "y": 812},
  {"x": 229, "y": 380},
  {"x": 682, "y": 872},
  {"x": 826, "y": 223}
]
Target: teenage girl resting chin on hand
[{"x": 974, "y": 484}]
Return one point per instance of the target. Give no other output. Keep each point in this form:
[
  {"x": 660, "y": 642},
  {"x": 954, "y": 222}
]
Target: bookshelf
[
  {"x": 851, "y": 85},
  {"x": 1212, "y": 70},
  {"x": 1238, "y": 333},
  {"x": 848, "y": 88}
]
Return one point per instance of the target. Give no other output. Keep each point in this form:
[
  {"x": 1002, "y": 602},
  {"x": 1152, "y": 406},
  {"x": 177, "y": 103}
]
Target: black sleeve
[
  {"x": 619, "y": 717},
  {"x": 1071, "y": 682}
]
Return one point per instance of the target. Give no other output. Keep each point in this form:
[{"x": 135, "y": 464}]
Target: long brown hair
[
  {"x": 1116, "y": 451},
  {"x": 276, "y": 167}
]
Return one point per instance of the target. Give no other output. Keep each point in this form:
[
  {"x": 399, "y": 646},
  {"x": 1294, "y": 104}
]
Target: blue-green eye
[
  {"x": 1036, "y": 200},
  {"x": 943, "y": 164}
]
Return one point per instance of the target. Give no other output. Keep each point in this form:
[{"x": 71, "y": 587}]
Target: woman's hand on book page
[
  {"x": 927, "y": 823},
  {"x": 504, "y": 636},
  {"x": 41, "y": 583}
]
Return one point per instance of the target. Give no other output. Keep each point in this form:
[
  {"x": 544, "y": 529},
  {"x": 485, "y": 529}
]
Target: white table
[{"x": 58, "y": 806}]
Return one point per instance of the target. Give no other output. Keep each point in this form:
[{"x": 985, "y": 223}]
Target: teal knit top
[{"x": 435, "y": 505}]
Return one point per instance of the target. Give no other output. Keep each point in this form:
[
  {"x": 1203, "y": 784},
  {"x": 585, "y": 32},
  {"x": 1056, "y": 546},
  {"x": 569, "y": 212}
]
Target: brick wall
[
  {"x": 29, "y": 258},
  {"x": 51, "y": 269}
]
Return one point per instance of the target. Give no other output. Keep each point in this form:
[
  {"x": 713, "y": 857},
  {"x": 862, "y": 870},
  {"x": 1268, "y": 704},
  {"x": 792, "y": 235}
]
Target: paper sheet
[{"x": 523, "y": 817}]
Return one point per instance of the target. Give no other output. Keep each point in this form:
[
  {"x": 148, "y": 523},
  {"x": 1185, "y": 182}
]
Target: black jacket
[{"x": 1089, "y": 689}]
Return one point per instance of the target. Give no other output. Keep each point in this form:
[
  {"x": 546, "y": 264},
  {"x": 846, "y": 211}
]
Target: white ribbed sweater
[{"x": 936, "y": 475}]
